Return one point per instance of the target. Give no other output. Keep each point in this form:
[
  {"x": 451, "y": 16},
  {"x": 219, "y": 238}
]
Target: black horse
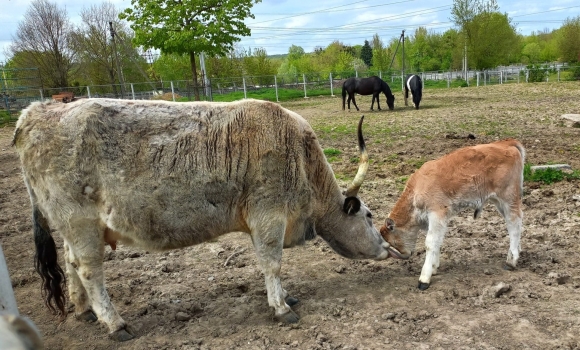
[
  {"x": 415, "y": 85},
  {"x": 366, "y": 86}
]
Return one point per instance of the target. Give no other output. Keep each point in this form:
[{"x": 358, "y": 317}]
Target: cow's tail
[
  {"x": 46, "y": 263},
  {"x": 343, "y": 96}
]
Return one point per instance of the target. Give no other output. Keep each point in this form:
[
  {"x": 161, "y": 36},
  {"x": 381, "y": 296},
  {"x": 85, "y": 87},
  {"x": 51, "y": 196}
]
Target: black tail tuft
[{"x": 46, "y": 264}]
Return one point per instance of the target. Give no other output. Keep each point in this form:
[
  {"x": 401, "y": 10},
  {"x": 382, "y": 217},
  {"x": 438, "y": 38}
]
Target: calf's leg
[
  {"x": 512, "y": 214},
  {"x": 433, "y": 241}
]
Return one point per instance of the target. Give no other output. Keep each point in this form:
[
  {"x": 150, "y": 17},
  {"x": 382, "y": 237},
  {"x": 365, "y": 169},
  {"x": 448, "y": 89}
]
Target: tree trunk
[{"x": 194, "y": 72}]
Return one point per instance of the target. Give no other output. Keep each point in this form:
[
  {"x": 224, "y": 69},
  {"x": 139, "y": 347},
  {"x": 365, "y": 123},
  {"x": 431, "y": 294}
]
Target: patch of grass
[
  {"x": 416, "y": 163},
  {"x": 4, "y": 118},
  {"x": 269, "y": 94},
  {"x": 548, "y": 176},
  {"x": 329, "y": 152}
]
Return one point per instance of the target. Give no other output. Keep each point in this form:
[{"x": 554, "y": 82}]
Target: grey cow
[{"x": 162, "y": 175}]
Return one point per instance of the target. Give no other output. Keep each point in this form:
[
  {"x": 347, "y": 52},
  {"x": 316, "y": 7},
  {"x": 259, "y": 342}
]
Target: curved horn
[{"x": 363, "y": 166}]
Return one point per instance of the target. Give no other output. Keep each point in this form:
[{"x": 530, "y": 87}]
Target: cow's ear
[
  {"x": 351, "y": 205},
  {"x": 390, "y": 224}
]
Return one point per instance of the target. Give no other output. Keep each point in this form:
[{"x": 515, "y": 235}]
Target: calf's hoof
[
  {"x": 289, "y": 317},
  {"x": 508, "y": 267},
  {"x": 122, "y": 334},
  {"x": 87, "y": 316},
  {"x": 291, "y": 301},
  {"x": 423, "y": 286}
]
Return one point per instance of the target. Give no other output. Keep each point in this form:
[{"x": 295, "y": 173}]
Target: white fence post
[
  {"x": 477, "y": 74},
  {"x": 172, "y": 92},
  {"x": 132, "y": 91},
  {"x": 381, "y": 74},
  {"x": 304, "y": 81},
  {"x": 448, "y": 78},
  {"x": 245, "y": 93},
  {"x": 41, "y": 96},
  {"x": 331, "y": 91},
  {"x": 88, "y": 91},
  {"x": 356, "y": 73},
  {"x": 276, "y": 87},
  {"x": 558, "y": 73}
]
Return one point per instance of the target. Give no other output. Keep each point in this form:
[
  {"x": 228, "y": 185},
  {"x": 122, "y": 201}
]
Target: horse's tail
[
  {"x": 343, "y": 94},
  {"x": 46, "y": 263}
]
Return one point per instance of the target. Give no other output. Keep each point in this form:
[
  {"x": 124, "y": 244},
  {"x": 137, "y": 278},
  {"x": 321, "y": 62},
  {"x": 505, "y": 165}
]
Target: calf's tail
[{"x": 46, "y": 264}]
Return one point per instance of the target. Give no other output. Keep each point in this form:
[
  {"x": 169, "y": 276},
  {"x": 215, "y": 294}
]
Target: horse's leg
[
  {"x": 378, "y": 101},
  {"x": 354, "y": 102},
  {"x": 406, "y": 95}
]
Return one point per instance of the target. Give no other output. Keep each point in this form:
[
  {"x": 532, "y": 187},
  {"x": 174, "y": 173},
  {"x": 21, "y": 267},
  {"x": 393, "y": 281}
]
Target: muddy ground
[{"x": 192, "y": 299}]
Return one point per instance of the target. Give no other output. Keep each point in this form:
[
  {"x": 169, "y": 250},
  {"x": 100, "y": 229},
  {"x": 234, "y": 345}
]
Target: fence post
[
  {"x": 356, "y": 73},
  {"x": 41, "y": 96},
  {"x": 132, "y": 91},
  {"x": 88, "y": 91},
  {"x": 558, "y": 74},
  {"x": 276, "y": 87},
  {"x": 448, "y": 77},
  {"x": 477, "y": 78},
  {"x": 527, "y": 75},
  {"x": 304, "y": 81},
  {"x": 244, "y": 81},
  {"x": 331, "y": 92},
  {"x": 172, "y": 92},
  {"x": 381, "y": 74}
]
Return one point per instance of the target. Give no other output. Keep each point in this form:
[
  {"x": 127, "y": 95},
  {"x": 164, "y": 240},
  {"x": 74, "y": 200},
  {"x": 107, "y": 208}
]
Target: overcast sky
[{"x": 282, "y": 23}]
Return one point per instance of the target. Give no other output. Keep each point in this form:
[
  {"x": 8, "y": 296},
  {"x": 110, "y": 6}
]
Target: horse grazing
[
  {"x": 367, "y": 86},
  {"x": 415, "y": 85}
]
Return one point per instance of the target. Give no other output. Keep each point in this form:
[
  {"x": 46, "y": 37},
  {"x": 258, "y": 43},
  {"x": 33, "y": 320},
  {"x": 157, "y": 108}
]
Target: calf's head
[{"x": 401, "y": 240}]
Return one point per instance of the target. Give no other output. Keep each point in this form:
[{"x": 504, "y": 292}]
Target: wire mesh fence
[{"x": 14, "y": 96}]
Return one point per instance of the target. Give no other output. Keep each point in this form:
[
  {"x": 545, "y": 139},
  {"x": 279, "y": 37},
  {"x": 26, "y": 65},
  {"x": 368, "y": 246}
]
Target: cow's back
[{"x": 169, "y": 173}]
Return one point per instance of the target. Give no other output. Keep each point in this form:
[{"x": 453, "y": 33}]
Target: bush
[
  {"x": 548, "y": 176},
  {"x": 537, "y": 73}
]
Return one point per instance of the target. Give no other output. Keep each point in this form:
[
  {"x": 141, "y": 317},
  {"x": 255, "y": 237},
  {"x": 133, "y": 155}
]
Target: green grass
[
  {"x": 268, "y": 94},
  {"x": 548, "y": 176},
  {"x": 5, "y": 118}
]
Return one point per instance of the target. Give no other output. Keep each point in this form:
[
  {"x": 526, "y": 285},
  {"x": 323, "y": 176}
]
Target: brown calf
[{"x": 465, "y": 178}]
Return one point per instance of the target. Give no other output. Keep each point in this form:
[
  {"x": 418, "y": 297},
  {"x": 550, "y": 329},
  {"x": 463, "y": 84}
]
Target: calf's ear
[
  {"x": 351, "y": 205},
  {"x": 390, "y": 224}
]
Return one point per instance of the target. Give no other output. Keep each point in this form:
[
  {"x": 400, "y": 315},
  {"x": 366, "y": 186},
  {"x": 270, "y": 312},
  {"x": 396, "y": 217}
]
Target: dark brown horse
[{"x": 367, "y": 86}]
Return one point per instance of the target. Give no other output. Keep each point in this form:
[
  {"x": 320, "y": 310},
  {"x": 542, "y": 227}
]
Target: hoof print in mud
[{"x": 508, "y": 267}]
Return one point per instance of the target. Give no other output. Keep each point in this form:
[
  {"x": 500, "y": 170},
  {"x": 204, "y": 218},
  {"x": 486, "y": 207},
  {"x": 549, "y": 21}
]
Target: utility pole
[
  {"x": 119, "y": 72},
  {"x": 403, "y": 65}
]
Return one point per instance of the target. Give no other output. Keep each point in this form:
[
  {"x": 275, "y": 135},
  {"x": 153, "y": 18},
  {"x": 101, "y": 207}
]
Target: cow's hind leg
[
  {"x": 86, "y": 245},
  {"x": 513, "y": 218},
  {"x": 77, "y": 293},
  {"x": 268, "y": 240},
  {"x": 433, "y": 242}
]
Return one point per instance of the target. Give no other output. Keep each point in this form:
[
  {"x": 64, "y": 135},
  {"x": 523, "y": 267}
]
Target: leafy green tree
[
  {"x": 366, "y": 54},
  {"x": 531, "y": 53},
  {"x": 569, "y": 40},
  {"x": 380, "y": 60},
  {"x": 171, "y": 66},
  {"x": 43, "y": 40},
  {"x": 189, "y": 26}
]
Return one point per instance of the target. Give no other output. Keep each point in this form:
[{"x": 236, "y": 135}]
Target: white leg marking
[
  {"x": 514, "y": 227},
  {"x": 77, "y": 293},
  {"x": 433, "y": 241}
]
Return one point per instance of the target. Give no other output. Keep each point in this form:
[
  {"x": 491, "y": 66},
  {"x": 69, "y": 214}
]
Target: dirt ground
[{"x": 212, "y": 296}]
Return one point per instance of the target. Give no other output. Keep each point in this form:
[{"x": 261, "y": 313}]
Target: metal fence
[{"x": 313, "y": 84}]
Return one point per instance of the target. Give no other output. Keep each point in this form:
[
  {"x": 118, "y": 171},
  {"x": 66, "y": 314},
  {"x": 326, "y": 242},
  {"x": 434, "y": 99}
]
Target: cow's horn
[{"x": 352, "y": 190}]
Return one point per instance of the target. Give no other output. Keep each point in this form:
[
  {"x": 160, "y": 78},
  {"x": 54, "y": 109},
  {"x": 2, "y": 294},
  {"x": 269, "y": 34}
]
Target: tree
[
  {"x": 366, "y": 54},
  {"x": 569, "y": 40},
  {"x": 42, "y": 41},
  {"x": 189, "y": 26},
  {"x": 489, "y": 36},
  {"x": 92, "y": 42},
  {"x": 380, "y": 59}
]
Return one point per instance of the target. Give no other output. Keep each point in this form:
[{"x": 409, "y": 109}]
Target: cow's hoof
[
  {"x": 508, "y": 267},
  {"x": 289, "y": 317},
  {"x": 423, "y": 286},
  {"x": 87, "y": 316},
  {"x": 291, "y": 301},
  {"x": 122, "y": 334}
]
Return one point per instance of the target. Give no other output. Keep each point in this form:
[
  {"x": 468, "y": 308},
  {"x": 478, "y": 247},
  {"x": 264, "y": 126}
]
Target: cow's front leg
[
  {"x": 85, "y": 242},
  {"x": 433, "y": 242},
  {"x": 268, "y": 240}
]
